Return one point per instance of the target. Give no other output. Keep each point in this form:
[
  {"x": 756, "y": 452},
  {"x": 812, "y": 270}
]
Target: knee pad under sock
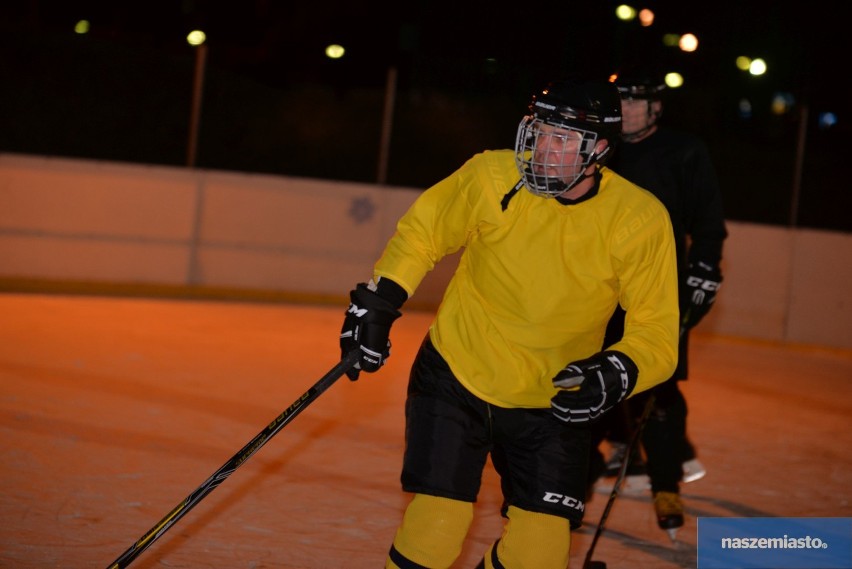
[
  {"x": 531, "y": 541},
  {"x": 432, "y": 533}
]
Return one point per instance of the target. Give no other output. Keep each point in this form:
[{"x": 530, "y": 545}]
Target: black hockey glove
[
  {"x": 367, "y": 328},
  {"x": 604, "y": 379},
  {"x": 702, "y": 282}
]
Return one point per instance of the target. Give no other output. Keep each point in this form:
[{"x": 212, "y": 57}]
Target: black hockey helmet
[
  {"x": 590, "y": 110},
  {"x": 640, "y": 83},
  {"x": 587, "y": 105}
]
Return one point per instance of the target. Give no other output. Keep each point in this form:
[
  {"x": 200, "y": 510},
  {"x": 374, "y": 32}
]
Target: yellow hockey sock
[
  {"x": 432, "y": 532},
  {"x": 532, "y": 541}
]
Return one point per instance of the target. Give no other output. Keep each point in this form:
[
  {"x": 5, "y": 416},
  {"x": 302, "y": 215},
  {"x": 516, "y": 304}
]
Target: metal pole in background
[
  {"x": 387, "y": 123},
  {"x": 799, "y": 165},
  {"x": 195, "y": 112},
  {"x": 191, "y": 152}
]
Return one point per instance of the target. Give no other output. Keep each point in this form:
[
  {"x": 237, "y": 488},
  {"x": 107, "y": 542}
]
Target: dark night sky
[
  {"x": 267, "y": 36},
  {"x": 273, "y": 103}
]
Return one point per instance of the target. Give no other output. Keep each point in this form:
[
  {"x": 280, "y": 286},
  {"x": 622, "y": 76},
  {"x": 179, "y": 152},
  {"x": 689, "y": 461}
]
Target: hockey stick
[
  {"x": 622, "y": 474},
  {"x": 236, "y": 461}
]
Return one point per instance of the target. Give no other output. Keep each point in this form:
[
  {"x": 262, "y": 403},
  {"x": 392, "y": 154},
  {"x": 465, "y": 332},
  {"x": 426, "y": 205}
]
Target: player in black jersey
[{"x": 676, "y": 167}]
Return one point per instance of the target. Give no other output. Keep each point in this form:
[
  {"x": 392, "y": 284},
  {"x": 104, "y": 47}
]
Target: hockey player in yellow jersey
[{"x": 511, "y": 366}]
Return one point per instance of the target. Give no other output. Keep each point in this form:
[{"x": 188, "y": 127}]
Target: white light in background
[
  {"x": 196, "y": 37},
  {"x": 625, "y": 13},
  {"x": 757, "y": 67},
  {"x": 688, "y": 43},
  {"x": 334, "y": 51},
  {"x": 674, "y": 80}
]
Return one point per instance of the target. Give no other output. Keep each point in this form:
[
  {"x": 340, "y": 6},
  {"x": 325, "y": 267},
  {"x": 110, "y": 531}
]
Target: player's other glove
[
  {"x": 702, "y": 283},
  {"x": 367, "y": 328},
  {"x": 604, "y": 379}
]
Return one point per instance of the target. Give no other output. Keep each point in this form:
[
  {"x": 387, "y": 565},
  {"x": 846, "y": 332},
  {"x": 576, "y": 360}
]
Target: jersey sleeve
[
  {"x": 437, "y": 224},
  {"x": 647, "y": 272}
]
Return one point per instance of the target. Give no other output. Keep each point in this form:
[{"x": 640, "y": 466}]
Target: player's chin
[{"x": 555, "y": 173}]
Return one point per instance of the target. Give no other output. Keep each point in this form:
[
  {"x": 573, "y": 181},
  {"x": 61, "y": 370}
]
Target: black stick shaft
[
  {"x": 622, "y": 474},
  {"x": 236, "y": 461}
]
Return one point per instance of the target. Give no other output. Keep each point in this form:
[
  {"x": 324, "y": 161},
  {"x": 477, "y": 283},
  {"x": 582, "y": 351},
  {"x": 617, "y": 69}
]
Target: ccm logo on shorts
[{"x": 555, "y": 498}]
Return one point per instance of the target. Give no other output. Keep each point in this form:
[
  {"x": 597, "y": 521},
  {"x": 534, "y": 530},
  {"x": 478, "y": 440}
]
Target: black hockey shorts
[{"x": 449, "y": 433}]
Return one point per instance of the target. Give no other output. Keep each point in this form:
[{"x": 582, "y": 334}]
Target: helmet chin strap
[
  {"x": 583, "y": 177},
  {"x": 596, "y": 175},
  {"x": 563, "y": 187}
]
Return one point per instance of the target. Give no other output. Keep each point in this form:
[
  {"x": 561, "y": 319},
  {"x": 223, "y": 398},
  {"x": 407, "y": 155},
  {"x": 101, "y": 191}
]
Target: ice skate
[
  {"x": 618, "y": 451},
  {"x": 616, "y": 456},
  {"x": 693, "y": 470},
  {"x": 669, "y": 510}
]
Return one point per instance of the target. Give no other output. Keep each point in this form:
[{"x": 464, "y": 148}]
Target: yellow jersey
[{"x": 537, "y": 282}]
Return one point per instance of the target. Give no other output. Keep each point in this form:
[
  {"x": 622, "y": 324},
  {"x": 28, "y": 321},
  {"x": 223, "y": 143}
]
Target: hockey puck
[{"x": 595, "y": 565}]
